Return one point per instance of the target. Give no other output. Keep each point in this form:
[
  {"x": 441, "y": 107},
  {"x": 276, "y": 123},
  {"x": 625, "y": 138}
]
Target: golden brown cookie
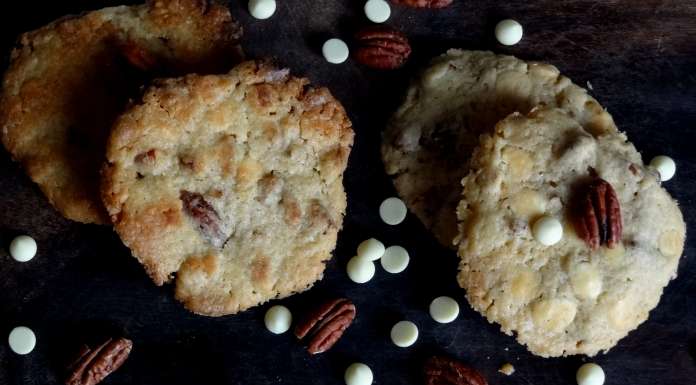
[
  {"x": 68, "y": 80},
  {"x": 232, "y": 182},
  {"x": 571, "y": 297}
]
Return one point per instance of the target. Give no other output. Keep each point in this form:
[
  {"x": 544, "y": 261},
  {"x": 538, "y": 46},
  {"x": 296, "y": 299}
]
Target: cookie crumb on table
[{"x": 507, "y": 369}]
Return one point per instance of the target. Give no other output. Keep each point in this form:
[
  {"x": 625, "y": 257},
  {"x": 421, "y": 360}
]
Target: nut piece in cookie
[
  {"x": 68, "y": 81},
  {"x": 233, "y": 183}
]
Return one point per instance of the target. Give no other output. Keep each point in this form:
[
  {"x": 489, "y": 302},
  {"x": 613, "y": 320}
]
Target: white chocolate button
[
  {"x": 371, "y": 249},
  {"x": 335, "y": 51},
  {"x": 23, "y": 248},
  {"x": 392, "y": 211},
  {"x": 665, "y": 166},
  {"x": 508, "y": 32},
  {"x": 360, "y": 270},
  {"x": 404, "y": 334},
  {"x": 377, "y": 11},
  {"x": 395, "y": 259},
  {"x": 278, "y": 319},
  {"x": 590, "y": 374},
  {"x": 358, "y": 374},
  {"x": 262, "y": 9},
  {"x": 444, "y": 309},
  {"x": 22, "y": 340},
  {"x": 547, "y": 230}
]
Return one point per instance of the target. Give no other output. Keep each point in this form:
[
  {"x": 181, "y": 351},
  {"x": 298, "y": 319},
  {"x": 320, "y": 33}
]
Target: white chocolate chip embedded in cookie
[
  {"x": 586, "y": 281},
  {"x": 524, "y": 284},
  {"x": 553, "y": 315},
  {"x": 527, "y": 203},
  {"x": 671, "y": 243},
  {"x": 519, "y": 163}
]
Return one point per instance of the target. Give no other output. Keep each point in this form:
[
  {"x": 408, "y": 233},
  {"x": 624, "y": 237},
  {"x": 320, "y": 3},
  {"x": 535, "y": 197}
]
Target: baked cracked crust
[
  {"x": 68, "y": 80},
  {"x": 233, "y": 182},
  {"x": 462, "y": 94},
  {"x": 563, "y": 299}
]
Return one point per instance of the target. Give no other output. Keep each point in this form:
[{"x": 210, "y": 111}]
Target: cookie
[
  {"x": 462, "y": 94},
  {"x": 567, "y": 298},
  {"x": 68, "y": 80},
  {"x": 232, "y": 182}
]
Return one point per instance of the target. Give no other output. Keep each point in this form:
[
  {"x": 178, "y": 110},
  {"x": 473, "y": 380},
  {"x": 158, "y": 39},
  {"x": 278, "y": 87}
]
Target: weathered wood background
[{"x": 640, "y": 57}]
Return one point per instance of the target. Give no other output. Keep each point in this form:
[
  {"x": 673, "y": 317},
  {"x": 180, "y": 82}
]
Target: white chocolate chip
[
  {"x": 22, "y": 340},
  {"x": 358, "y": 374},
  {"x": 665, "y": 166},
  {"x": 547, "y": 230},
  {"x": 262, "y": 9},
  {"x": 360, "y": 270},
  {"x": 586, "y": 281},
  {"x": 377, "y": 11},
  {"x": 371, "y": 249},
  {"x": 508, "y": 32},
  {"x": 392, "y": 211},
  {"x": 395, "y": 259},
  {"x": 444, "y": 309},
  {"x": 553, "y": 314},
  {"x": 335, "y": 51},
  {"x": 23, "y": 248},
  {"x": 278, "y": 319},
  {"x": 404, "y": 334},
  {"x": 590, "y": 374}
]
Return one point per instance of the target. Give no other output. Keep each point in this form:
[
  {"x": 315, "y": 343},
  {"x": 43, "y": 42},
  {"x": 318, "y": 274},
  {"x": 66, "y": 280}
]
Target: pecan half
[
  {"x": 205, "y": 216},
  {"x": 446, "y": 371},
  {"x": 94, "y": 365},
  {"x": 325, "y": 325},
  {"x": 598, "y": 218},
  {"x": 381, "y": 47},
  {"x": 424, "y": 3}
]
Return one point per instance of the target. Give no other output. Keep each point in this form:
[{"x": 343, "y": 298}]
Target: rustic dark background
[{"x": 640, "y": 56}]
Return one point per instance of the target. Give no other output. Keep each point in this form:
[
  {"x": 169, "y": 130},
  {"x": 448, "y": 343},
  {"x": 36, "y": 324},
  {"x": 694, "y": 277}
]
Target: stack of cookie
[
  {"x": 230, "y": 177},
  {"x": 484, "y": 150}
]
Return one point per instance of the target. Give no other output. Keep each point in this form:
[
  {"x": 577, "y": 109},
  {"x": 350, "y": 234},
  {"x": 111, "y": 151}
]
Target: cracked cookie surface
[
  {"x": 233, "y": 183},
  {"x": 567, "y": 298}
]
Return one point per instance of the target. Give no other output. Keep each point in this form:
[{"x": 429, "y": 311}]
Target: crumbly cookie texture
[
  {"x": 428, "y": 143},
  {"x": 68, "y": 80},
  {"x": 233, "y": 182},
  {"x": 563, "y": 299}
]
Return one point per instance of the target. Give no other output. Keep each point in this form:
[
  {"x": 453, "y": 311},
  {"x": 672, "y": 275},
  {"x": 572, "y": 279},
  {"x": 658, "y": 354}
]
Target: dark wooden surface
[{"x": 640, "y": 57}]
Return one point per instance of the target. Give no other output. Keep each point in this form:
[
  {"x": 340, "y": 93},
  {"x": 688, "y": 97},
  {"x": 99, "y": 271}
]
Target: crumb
[
  {"x": 506, "y": 349},
  {"x": 589, "y": 85},
  {"x": 507, "y": 369}
]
